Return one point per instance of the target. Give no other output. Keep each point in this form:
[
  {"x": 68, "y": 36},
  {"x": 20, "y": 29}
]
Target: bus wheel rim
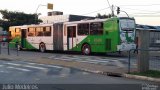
[
  {"x": 86, "y": 50},
  {"x": 42, "y": 48}
]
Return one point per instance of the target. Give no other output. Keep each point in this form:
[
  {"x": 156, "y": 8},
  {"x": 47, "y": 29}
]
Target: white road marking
[
  {"x": 3, "y": 71},
  {"x": 83, "y": 57},
  {"x": 14, "y": 64},
  {"x": 50, "y": 66},
  {"x": 118, "y": 63},
  {"x": 32, "y": 63},
  {"x": 35, "y": 67},
  {"x": 21, "y": 69},
  {"x": 45, "y": 65},
  {"x": 96, "y": 61},
  {"x": 89, "y": 62},
  {"x": 1, "y": 65}
]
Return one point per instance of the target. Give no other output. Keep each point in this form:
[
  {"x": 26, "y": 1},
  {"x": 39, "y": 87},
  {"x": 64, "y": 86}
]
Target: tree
[
  {"x": 103, "y": 16},
  {"x": 14, "y": 18}
]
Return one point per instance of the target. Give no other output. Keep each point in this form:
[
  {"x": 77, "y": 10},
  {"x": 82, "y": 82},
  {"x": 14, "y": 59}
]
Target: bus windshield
[{"x": 127, "y": 24}]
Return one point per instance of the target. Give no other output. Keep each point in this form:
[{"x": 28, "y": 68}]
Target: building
[{"x": 56, "y": 16}]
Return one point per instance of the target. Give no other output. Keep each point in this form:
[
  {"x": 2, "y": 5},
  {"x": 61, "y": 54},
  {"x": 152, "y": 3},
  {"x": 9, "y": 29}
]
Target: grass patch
[{"x": 149, "y": 73}]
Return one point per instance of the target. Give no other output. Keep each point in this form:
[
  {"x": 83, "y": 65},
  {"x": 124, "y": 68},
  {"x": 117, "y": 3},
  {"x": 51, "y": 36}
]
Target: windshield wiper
[{"x": 127, "y": 29}]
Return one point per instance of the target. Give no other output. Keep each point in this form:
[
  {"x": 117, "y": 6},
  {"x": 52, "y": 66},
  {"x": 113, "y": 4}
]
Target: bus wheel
[
  {"x": 42, "y": 47},
  {"x": 86, "y": 50}
]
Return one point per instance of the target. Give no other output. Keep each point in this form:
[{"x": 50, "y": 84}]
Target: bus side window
[
  {"x": 17, "y": 32},
  {"x": 47, "y": 31},
  {"x": 96, "y": 28},
  {"x": 39, "y": 31},
  {"x": 83, "y": 29},
  {"x": 12, "y": 30},
  {"x": 31, "y": 32}
]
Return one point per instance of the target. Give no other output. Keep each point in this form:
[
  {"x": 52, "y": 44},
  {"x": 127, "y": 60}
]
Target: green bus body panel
[
  {"x": 12, "y": 43},
  {"x": 99, "y": 43},
  {"x": 28, "y": 45}
]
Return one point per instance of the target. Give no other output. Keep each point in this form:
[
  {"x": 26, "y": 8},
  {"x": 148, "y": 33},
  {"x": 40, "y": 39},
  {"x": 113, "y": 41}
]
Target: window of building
[
  {"x": 47, "y": 31},
  {"x": 31, "y": 32},
  {"x": 96, "y": 28},
  {"x": 83, "y": 29}
]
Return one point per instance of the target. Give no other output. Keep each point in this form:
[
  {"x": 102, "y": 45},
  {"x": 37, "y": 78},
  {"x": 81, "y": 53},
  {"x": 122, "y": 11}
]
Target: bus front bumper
[{"x": 126, "y": 47}]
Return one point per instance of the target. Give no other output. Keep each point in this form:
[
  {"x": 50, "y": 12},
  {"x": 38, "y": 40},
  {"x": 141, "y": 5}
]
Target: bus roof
[
  {"x": 32, "y": 25},
  {"x": 86, "y": 21}
]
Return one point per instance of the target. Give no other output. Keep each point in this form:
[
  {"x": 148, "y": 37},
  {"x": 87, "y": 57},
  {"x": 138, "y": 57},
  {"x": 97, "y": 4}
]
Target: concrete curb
[
  {"x": 103, "y": 73},
  {"x": 141, "y": 77},
  {"x": 124, "y": 75}
]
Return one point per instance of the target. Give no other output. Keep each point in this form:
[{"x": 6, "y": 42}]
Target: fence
[
  {"x": 153, "y": 60},
  {"x": 5, "y": 49},
  {"x": 154, "y": 38}
]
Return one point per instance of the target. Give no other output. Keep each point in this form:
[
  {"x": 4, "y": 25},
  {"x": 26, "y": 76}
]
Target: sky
[{"x": 145, "y": 12}]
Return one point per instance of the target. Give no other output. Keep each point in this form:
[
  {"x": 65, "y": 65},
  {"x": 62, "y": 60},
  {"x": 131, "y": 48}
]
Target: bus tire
[
  {"x": 42, "y": 47},
  {"x": 86, "y": 50}
]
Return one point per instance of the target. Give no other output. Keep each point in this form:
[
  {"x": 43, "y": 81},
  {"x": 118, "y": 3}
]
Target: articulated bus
[{"x": 98, "y": 35}]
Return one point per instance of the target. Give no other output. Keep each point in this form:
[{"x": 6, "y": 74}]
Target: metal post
[
  {"x": 0, "y": 47},
  {"x": 8, "y": 49},
  {"x": 125, "y": 13},
  {"x": 112, "y": 11},
  {"x": 17, "y": 49},
  {"x": 36, "y": 15},
  {"x": 129, "y": 61}
]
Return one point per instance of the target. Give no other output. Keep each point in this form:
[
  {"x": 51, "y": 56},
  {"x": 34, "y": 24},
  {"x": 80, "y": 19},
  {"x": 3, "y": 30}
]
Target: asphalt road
[
  {"x": 26, "y": 72},
  {"x": 101, "y": 59}
]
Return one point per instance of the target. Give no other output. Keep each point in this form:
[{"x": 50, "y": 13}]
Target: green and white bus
[{"x": 86, "y": 36}]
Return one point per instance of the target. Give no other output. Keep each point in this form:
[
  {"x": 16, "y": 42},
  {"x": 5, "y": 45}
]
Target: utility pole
[
  {"x": 36, "y": 15},
  {"x": 112, "y": 11},
  {"x": 112, "y": 8}
]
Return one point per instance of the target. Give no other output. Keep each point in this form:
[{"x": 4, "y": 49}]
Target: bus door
[
  {"x": 23, "y": 38},
  {"x": 71, "y": 37}
]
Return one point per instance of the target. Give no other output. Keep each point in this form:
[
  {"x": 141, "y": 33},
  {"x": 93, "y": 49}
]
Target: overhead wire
[
  {"x": 141, "y": 5},
  {"x": 96, "y": 11},
  {"x": 143, "y": 12}
]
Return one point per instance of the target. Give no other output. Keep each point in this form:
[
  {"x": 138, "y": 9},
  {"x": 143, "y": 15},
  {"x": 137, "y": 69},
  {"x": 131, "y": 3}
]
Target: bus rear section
[
  {"x": 32, "y": 37},
  {"x": 17, "y": 36}
]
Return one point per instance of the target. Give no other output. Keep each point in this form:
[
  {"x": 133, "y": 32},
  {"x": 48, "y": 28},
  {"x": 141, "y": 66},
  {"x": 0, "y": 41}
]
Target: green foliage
[
  {"x": 10, "y": 18},
  {"x": 150, "y": 73},
  {"x": 103, "y": 16}
]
